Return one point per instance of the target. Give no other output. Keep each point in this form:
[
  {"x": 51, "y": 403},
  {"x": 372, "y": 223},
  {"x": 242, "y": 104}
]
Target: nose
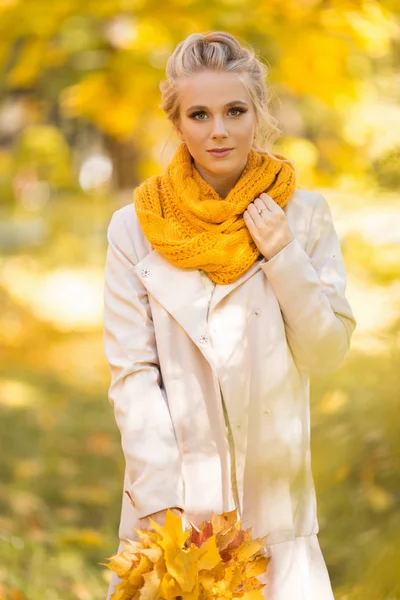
[{"x": 218, "y": 129}]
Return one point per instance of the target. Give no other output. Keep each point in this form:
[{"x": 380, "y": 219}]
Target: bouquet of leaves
[{"x": 218, "y": 560}]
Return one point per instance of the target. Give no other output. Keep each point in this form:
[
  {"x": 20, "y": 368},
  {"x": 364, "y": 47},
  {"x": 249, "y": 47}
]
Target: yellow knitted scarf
[{"x": 189, "y": 223}]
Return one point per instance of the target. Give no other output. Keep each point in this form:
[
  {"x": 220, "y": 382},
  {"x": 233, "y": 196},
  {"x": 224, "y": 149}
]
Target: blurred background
[{"x": 80, "y": 126}]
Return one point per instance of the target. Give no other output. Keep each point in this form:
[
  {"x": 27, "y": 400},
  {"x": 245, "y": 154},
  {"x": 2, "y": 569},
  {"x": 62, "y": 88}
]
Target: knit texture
[{"x": 188, "y": 222}]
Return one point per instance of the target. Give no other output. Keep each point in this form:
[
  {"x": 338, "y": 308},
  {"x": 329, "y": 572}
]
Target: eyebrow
[{"x": 233, "y": 103}]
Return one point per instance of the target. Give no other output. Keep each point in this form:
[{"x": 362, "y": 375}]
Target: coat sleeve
[
  {"x": 310, "y": 287},
  {"x": 140, "y": 405}
]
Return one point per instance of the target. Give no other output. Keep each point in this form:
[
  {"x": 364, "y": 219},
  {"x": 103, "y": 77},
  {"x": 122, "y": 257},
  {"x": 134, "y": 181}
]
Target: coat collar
[{"x": 181, "y": 292}]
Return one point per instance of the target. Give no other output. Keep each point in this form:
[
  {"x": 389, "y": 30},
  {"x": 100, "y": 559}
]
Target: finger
[
  {"x": 251, "y": 226},
  {"x": 144, "y": 525},
  {"x": 270, "y": 203},
  {"x": 260, "y": 205},
  {"x": 147, "y": 526},
  {"x": 255, "y": 215}
]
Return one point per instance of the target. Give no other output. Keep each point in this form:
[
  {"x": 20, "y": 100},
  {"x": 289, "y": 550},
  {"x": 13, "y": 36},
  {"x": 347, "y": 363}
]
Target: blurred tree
[
  {"x": 102, "y": 61},
  {"x": 387, "y": 169},
  {"x": 42, "y": 150}
]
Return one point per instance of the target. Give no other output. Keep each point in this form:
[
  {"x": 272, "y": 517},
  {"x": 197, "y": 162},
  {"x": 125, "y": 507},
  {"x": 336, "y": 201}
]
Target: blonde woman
[{"x": 224, "y": 293}]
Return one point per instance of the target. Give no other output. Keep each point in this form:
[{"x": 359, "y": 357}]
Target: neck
[{"x": 223, "y": 183}]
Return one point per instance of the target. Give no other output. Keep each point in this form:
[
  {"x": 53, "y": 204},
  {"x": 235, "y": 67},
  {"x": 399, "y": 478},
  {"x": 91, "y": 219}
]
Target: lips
[{"x": 220, "y": 152}]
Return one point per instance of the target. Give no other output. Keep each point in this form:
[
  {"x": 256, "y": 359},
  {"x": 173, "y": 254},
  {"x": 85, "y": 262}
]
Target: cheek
[
  {"x": 247, "y": 125},
  {"x": 195, "y": 133}
]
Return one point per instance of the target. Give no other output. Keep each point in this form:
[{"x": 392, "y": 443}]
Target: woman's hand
[
  {"x": 270, "y": 230},
  {"x": 158, "y": 517}
]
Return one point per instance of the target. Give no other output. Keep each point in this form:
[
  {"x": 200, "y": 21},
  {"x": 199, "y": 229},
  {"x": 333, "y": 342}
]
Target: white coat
[{"x": 177, "y": 361}]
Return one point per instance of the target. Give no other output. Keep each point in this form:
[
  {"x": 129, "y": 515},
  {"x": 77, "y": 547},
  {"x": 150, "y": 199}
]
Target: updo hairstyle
[{"x": 221, "y": 51}]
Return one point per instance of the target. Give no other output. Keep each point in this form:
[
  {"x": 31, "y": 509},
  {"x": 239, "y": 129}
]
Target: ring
[{"x": 261, "y": 211}]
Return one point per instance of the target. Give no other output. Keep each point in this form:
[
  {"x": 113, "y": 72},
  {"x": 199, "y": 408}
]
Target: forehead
[{"x": 211, "y": 88}]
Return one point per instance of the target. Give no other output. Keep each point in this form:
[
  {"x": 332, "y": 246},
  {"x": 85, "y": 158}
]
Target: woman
[{"x": 224, "y": 293}]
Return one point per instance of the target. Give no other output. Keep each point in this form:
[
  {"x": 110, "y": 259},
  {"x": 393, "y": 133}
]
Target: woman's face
[{"x": 216, "y": 112}]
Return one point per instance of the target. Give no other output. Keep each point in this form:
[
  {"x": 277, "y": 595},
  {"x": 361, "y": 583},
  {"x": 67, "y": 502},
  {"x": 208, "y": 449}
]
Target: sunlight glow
[
  {"x": 68, "y": 298},
  {"x": 95, "y": 171}
]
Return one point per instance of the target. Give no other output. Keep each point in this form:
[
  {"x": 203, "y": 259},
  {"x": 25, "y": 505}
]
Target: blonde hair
[{"x": 221, "y": 51}]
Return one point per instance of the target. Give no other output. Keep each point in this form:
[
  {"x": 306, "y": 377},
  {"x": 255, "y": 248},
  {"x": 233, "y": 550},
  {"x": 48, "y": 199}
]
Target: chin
[{"x": 220, "y": 169}]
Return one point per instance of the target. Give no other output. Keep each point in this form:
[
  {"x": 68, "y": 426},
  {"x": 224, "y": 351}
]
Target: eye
[
  {"x": 195, "y": 115},
  {"x": 238, "y": 110}
]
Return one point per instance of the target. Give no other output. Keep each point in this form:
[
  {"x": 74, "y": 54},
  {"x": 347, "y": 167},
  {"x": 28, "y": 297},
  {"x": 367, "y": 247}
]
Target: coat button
[
  {"x": 257, "y": 313},
  {"x": 145, "y": 272},
  {"x": 203, "y": 339}
]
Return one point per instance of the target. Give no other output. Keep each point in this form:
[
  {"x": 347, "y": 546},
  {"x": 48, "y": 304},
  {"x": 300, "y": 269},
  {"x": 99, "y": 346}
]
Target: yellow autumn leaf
[
  {"x": 238, "y": 538},
  {"x": 153, "y": 553},
  {"x": 251, "y": 584},
  {"x": 171, "y": 532},
  {"x": 226, "y": 586},
  {"x": 185, "y": 565},
  {"x": 224, "y": 521},
  {"x": 180, "y": 563},
  {"x": 151, "y": 586},
  {"x": 182, "y": 567},
  {"x": 142, "y": 566},
  {"x": 248, "y": 549},
  {"x": 123, "y": 591},
  {"x": 193, "y": 594},
  {"x": 133, "y": 546},
  {"x": 253, "y": 595},
  {"x": 135, "y": 582},
  {"x": 147, "y": 538},
  {"x": 199, "y": 564},
  {"x": 119, "y": 593},
  {"x": 225, "y": 538},
  {"x": 169, "y": 589},
  {"x": 257, "y": 566},
  {"x": 208, "y": 580},
  {"x": 208, "y": 555},
  {"x": 160, "y": 567},
  {"x": 121, "y": 563}
]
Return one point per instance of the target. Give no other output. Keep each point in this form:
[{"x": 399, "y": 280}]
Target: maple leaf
[
  {"x": 143, "y": 565},
  {"x": 122, "y": 563},
  {"x": 257, "y": 566},
  {"x": 228, "y": 537},
  {"x": 171, "y": 532},
  {"x": 218, "y": 561},
  {"x": 198, "y": 536},
  {"x": 147, "y": 538},
  {"x": 151, "y": 586},
  {"x": 169, "y": 588},
  {"x": 224, "y": 520},
  {"x": 232, "y": 579},
  {"x": 120, "y": 592},
  {"x": 236, "y": 539},
  {"x": 253, "y": 595},
  {"x": 185, "y": 565},
  {"x": 251, "y": 585},
  {"x": 246, "y": 550},
  {"x": 154, "y": 553}
]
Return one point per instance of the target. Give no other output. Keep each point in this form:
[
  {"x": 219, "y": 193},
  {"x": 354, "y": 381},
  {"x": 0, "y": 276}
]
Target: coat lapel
[{"x": 181, "y": 292}]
